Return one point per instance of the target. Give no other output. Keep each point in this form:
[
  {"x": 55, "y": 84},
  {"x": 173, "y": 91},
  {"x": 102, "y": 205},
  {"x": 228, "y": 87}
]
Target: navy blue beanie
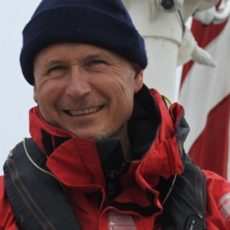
[{"x": 104, "y": 23}]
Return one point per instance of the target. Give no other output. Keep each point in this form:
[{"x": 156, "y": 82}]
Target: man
[{"x": 106, "y": 152}]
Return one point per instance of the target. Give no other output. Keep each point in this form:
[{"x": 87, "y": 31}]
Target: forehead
[{"x": 74, "y": 51}]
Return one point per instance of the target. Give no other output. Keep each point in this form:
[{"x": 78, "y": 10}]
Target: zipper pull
[{"x": 119, "y": 221}]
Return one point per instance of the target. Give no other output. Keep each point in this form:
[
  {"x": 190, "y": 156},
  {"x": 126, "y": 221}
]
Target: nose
[{"x": 78, "y": 83}]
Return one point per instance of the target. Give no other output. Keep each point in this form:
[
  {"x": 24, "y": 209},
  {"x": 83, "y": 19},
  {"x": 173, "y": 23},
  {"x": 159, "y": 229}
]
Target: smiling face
[{"x": 85, "y": 89}]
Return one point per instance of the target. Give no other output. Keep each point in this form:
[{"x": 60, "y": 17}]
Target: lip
[{"x": 84, "y": 112}]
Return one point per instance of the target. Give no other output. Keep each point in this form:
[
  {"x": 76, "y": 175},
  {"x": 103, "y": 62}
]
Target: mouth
[{"x": 83, "y": 112}]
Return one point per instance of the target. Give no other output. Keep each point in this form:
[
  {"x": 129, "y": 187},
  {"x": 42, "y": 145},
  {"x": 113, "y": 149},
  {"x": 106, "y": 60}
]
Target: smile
[{"x": 84, "y": 111}]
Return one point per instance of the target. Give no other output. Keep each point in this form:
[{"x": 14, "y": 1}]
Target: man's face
[{"x": 85, "y": 89}]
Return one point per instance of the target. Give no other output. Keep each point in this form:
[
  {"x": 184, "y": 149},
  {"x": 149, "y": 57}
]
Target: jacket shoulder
[
  {"x": 7, "y": 220},
  {"x": 218, "y": 201}
]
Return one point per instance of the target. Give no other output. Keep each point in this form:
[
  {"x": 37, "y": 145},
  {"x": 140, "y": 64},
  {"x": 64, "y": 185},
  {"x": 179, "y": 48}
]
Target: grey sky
[{"x": 15, "y": 93}]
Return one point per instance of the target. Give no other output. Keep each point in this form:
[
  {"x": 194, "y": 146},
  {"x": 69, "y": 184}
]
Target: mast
[{"x": 169, "y": 42}]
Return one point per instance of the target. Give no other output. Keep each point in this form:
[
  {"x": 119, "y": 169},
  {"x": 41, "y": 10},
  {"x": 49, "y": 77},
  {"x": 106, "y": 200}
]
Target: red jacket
[{"x": 76, "y": 164}]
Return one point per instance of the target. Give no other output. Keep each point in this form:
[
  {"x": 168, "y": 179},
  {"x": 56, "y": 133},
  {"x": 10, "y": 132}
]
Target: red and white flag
[{"x": 205, "y": 94}]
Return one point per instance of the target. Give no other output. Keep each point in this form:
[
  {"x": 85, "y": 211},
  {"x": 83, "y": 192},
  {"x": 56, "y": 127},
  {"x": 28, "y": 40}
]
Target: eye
[
  {"x": 96, "y": 63},
  {"x": 57, "y": 69}
]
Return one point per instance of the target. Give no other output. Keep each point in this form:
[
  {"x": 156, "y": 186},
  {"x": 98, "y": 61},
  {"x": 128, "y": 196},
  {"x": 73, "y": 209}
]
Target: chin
[{"x": 93, "y": 136}]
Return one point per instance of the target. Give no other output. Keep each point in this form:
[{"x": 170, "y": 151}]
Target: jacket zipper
[{"x": 201, "y": 195}]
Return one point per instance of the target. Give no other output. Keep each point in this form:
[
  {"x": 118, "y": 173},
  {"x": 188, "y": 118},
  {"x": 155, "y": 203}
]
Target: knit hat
[{"x": 104, "y": 23}]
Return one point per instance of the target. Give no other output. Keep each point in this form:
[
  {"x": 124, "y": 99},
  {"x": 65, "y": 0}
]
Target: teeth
[{"x": 84, "y": 112}]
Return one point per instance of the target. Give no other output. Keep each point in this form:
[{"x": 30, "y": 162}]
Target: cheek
[
  {"x": 120, "y": 91},
  {"x": 47, "y": 97},
  {"x": 123, "y": 104},
  {"x": 124, "y": 86},
  {"x": 47, "y": 90}
]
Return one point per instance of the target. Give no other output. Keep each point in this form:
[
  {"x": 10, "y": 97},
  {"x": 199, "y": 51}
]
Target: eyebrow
[
  {"x": 57, "y": 61},
  {"x": 97, "y": 55},
  {"x": 53, "y": 62}
]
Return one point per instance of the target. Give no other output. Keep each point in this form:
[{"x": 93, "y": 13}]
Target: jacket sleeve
[
  {"x": 218, "y": 202},
  {"x": 7, "y": 219}
]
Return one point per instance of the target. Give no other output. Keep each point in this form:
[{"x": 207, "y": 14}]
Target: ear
[
  {"x": 138, "y": 80},
  {"x": 35, "y": 94}
]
